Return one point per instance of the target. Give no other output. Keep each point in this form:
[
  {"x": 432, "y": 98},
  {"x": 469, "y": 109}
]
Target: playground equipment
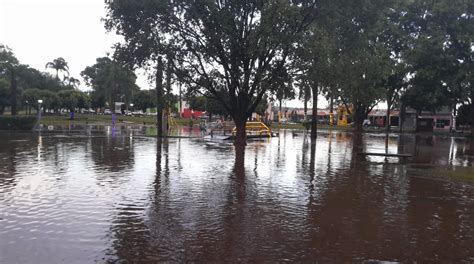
[
  {"x": 226, "y": 131},
  {"x": 255, "y": 130},
  {"x": 343, "y": 116}
]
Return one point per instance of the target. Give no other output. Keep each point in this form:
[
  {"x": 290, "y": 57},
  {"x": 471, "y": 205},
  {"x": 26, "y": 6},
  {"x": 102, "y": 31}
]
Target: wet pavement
[{"x": 92, "y": 194}]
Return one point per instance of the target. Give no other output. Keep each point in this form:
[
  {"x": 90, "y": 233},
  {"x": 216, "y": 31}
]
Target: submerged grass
[
  {"x": 458, "y": 173},
  {"x": 455, "y": 173}
]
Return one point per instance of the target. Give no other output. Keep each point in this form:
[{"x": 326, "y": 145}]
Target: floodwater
[{"x": 101, "y": 195}]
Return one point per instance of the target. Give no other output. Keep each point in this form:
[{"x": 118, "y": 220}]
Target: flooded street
[{"x": 108, "y": 196}]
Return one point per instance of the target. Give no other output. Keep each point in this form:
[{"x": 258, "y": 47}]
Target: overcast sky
[{"x": 42, "y": 30}]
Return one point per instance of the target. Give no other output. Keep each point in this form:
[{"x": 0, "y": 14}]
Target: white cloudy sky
[{"x": 39, "y": 31}]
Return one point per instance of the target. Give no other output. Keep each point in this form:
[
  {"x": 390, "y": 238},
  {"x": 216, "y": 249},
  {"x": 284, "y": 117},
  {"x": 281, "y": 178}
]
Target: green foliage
[
  {"x": 262, "y": 106},
  {"x": 144, "y": 99},
  {"x": 440, "y": 56},
  {"x": 464, "y": 116},
  {"x": 7, "y": 57},
  {"x": 59, "y": 65},
  {"x": 207, "y": 104},
  {"x": 231, "y": 49},
  {"x": 4, "y": 94},
  {"x": 29, "y": 78},
  {"x": 97, "y": 100},
  {"x": 31, "y": 96},
  {"x": 111, "y": 81},
  {"x": 67, "y": 99},
  {"x": 72, "y": 99},
  {"x": 197, "y": 103},
  {"x": 17, "y": 122}
]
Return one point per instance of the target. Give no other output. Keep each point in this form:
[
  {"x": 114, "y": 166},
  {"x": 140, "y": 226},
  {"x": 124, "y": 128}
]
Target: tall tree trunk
[
  {"x": 331, "y": 109},
  {"x": 387, "y": 121},
  {"x": 472, "y": 119},
  {"x": 417, "y": 121},
  {"x": 358, "y": 116},
  {"x": 180, "y": 100},
  {"x": 13, "y": 90},
  {"x": 241, "y": 133},
  {"x": 401, "y": 118},
  {"x": 472, "y": 125},
  {"x": 305, "y": 107},
  {"x": 159, "y": 96},
  {"x": 314, "y": 113},
  {"x": 169, "y": 74},
  {"x": 280, "y": 113}
]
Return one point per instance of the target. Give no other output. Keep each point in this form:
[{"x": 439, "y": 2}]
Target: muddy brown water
[{"x": 117, "y": 196}]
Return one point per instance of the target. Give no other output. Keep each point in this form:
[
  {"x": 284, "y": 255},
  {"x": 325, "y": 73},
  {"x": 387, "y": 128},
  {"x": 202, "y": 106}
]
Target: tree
[
  {"x": 31, "y": 97},
  {"x": 197, "y": 103},
  {"x": 72, "y": 82},
  {"x": 229, "y": 49},
  {"x": 208, "y": 104},
  {"x": 359, "y": 58},
  {"x": 304, "y": 93},
  {"x": 72, "y": 99},
  {"x": 144, "y": 99},
  {"x": 464, "y": 116},
  {"x": 110, "y": 80},
  {"x": 282, "y": 87},
  {"x": 313, "y": 63},
  {"x": 440, "y": 57},
  {"x": 59, "y": 65},
  {"x": 97, "y": 100},
  {"x": 4, "y": 95},
  {"x": 31, "y": 78},
  {"x": 8, "y": 65}
]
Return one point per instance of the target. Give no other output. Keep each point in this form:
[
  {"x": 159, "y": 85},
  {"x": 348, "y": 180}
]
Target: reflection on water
[{"x": 107, "y": 197}]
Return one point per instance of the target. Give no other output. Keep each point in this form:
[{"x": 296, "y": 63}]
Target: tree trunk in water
[
  {"x": 472, "y": 119},
  {"x": 13, "y": 92},
  {"x": 401, "y": 118},
  {"x": 241, "y": 133},
  {"x": 305, "y": 108},
  {"x": 387, "y": 121},
  {"x": 472, "y": 126},
  {"x": 331, "y": 110},
  {"x": 314, "y": 114},
  {"x": 239, "y": 165},
  {"x": 358, "y": 117},
  {"x": 280, "y": 114},
  {"x": 159, "y": 97},
  {"x": 417, "y": 121},
  {"x": 180, "y": 100}
]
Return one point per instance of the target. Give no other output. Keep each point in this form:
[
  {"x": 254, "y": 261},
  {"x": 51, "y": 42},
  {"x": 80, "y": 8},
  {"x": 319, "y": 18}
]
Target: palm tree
[
  {"x": 58, "y": 64},
  {"x": 71, "y": 81}
]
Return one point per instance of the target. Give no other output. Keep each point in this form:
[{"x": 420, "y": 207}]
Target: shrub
[{"x": 17, "y": 122}]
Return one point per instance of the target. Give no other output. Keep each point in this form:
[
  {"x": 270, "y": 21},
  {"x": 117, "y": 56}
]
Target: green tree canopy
[
  {"x": 59, "y": 65},
  {"x": 230, "y": 49},
  {"x": 110, "y": 80},
  {"x": 144, "y": 99}
]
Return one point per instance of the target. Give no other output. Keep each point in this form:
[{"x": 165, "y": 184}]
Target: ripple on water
[{"x": 104, "y": 199}]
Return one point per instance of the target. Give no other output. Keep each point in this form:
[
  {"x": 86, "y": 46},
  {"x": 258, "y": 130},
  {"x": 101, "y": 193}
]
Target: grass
[
  {"x": 455, "y": 173},
  {"x": 459, "y": 173},
  {"x": 104, "y": 119},
  {"x": 151, "y": 120}
]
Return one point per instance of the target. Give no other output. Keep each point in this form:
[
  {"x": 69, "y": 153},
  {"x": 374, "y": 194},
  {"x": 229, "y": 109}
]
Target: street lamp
[{"x": 40, "y": 101}]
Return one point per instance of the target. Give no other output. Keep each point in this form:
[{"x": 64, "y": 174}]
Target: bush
[{"x": 17, "y": 122}]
